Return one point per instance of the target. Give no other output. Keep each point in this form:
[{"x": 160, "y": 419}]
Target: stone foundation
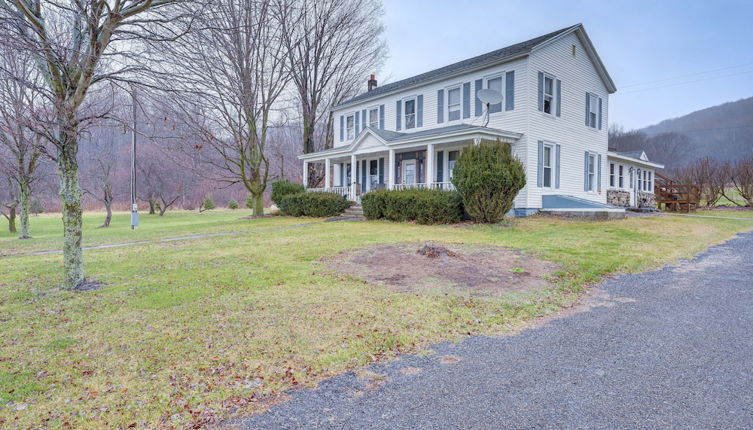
[
  {"x": 618, "y": 198},
  {"x": 647, "y": 200}
]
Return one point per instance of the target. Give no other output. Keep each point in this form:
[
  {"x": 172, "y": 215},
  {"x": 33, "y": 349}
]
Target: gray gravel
[{"x": 671, "y": 348}]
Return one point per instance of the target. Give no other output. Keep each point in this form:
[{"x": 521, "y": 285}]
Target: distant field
[{"x": 185, "y": 333}]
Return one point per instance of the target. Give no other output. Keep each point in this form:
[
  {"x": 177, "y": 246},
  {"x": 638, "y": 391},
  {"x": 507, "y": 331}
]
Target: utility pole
[{"x": 134, "y": 205}]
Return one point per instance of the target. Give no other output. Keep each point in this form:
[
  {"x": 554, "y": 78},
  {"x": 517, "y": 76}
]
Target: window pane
[
  {"x": 547, "y": 156},
  {"x": 548, "y": 86},
  {"x": 547, "y": 176},
  {"x": 495, "y": 84},
  {"x": 453, "y": 96},
  {"x": 410, "y": 107},
  {"x": 374, "y": 118}
]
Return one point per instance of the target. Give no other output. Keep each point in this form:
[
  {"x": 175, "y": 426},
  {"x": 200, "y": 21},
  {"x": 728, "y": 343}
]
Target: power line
[
  {"x": 637, "y": 84},
  {"x": 687, "y": 82}
]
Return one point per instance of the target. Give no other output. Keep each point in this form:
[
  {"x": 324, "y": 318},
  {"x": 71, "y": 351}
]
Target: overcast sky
[{"x": 667, "y": 58}]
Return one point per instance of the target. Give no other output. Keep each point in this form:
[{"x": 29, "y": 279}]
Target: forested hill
[{"x": 724, "y": 132}]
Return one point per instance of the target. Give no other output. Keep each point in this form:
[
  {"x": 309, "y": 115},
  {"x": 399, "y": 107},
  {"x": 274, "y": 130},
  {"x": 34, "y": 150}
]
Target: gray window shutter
[
  {"x": 440, "y": 166},
  {"x": 559, "y": 97},
  {"x": 381, "y": 117},
  {"x": 398, "y": 114},
  {"x": 342, "y": 128},
  {"x": 557, "y": 166},
  {"x": 381, "y": 170},
  {"x": 585, "y": 172},
  {"x": 599, "y": 113},
  {"x": 598, "y": 173},
  {"x": 588, "y": 108},
  {"x": 510, "y": 91},
  {"x": 363, "y": 119},
  {"x": 440, "y": 106},
  {"x": 420, "y": 110},
  {"x": 467, "y": 100},
  {"x": 479, "y": 105},
  {"x": 540, "y": 170},
  {"x": 541, "y": 91},
  {"x": 357, "y": 122}
]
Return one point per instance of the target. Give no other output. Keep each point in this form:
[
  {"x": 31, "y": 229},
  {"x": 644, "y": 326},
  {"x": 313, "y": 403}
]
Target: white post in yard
[
  {"x": 391, "y": 170},
  {"x": 353, "y": 177},
  {"x": 327, "y": 173},
  {"x": 305, "y": 174},
  {"x": 429, "y": 165}
]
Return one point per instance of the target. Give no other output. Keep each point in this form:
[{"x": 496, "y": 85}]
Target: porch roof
[
  {"x": 394, "y": 138},
  {"x": 635, "y": 157}
]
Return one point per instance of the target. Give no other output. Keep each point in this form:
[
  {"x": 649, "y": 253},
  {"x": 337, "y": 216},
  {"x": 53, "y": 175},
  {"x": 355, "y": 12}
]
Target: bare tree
[
  {"x": 21, "y": 151},
  {"x": 232, "y": 72},
  {"x": 709, "y": 175},
  {"x": 740, "y": 174},
  {"x": 100, "y": 165},
  {"x": 9, "y": 203},
  {"x": 332, "y": 46},
  {"x": 78, "y": 45}
]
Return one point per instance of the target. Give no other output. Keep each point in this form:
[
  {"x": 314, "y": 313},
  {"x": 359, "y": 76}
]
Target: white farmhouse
[{"x": 554, "y": 93}]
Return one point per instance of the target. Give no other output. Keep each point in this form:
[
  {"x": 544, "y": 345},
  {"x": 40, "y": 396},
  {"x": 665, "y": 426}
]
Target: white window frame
[
  {"x": 553, "y": 102},
  {"x": 621, "y": 176},
  {"x": 405, "y": 112},
  {"x": 612, "y": 175},
  {"x": 350, "y": 133},
  {"x": 403, "y": 166},
  {"x": 650, "y": 181},
  {"x": 371, "y": 121},
  {"x": 502, "y": 76},
  {"x": 591, "y": 172},
  {"x": 447, "y": 90},
  {"x": 551, "y": 166},
  {"x": 593, "y": 109}
]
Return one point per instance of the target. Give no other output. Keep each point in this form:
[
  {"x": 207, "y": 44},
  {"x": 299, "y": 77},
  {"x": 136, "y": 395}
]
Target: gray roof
[
  {"x": 461, "y": 66},
  {"x": 630, "y": 154}
]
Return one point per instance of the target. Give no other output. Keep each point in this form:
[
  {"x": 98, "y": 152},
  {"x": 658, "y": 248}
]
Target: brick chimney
[{"x": 372, "y": 82}]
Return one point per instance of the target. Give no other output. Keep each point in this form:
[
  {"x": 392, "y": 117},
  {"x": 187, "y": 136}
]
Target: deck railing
[
  {"x": 345, "y": 191},
  {"x": 674, "y": 196},
  {"x": 419, "y": 186},
  {"x": 445, "y": 186}
]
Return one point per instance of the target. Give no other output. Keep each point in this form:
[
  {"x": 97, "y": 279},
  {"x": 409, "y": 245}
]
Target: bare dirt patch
[{"x": 459, "y": 269}]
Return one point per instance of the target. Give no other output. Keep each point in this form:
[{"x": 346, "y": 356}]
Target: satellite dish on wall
[{"x": 489, "y": 97}]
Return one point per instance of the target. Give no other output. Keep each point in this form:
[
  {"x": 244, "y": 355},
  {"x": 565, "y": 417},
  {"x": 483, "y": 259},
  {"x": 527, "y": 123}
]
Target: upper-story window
[
  {"x": 374, "y": 117},
  {"x": 495, "y": 83},
  {"x": 350, "y": 126},
  {"x": 410, "y": 113},
  {"x": 453, "y": 103},
  {"x": 593, "y": 110},
  {"x": 548, "y": 94}
]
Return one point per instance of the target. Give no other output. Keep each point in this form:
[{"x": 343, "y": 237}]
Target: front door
[{"x": 409, "y": 172}]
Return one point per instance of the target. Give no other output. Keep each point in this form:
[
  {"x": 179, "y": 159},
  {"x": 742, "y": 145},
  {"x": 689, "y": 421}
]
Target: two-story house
[{"x": 553, "y": 94}]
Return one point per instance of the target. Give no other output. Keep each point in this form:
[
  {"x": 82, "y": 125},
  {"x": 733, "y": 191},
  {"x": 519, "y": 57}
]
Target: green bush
[
  {"x": 283, "y": 188},
  {"x": 421, "y": 206},
  {"x": 232, "y": 204},
  {"x": 313, "y": 204},
  {"x": 488, "y": 177},
  {"x": 207, "y": 204}
]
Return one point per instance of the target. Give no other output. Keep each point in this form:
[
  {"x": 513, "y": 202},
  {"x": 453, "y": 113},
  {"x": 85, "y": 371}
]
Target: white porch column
[
  {"x": 391, "y": 170},
  {"x": 327, "y": 174},
  {"x": 353, "y": 176},
  {"x": 337, "y": 179},
  {"x": 305, "y": 174},
  {"x": 429, "y": 164}
]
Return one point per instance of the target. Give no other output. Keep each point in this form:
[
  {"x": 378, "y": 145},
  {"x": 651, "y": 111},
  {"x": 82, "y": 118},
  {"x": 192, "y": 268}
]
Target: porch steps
[{"x": 355, "y": 211}]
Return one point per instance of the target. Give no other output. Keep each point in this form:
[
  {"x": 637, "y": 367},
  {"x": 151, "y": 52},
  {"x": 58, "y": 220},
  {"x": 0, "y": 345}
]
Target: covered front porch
[{"x": 380, "y": 159}]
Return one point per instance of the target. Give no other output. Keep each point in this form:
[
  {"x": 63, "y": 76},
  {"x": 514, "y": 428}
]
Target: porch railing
[
  {"x": 343, "y": 191},
  {"x": 419, "y": 186},
  {"x": 445, "y": 186}
]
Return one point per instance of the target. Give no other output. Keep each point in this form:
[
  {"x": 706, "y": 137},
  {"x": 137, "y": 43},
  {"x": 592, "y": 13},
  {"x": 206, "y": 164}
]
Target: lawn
[{"x": 186, "y": 332}]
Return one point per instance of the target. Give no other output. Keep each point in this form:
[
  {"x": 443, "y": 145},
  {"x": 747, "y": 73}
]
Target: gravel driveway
[{"x": 671, "y": 348}]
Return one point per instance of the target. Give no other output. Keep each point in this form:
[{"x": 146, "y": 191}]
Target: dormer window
[
  {"x": 350, "y": 126},
  {"x": 548, "y": 94},
  {"x": 410, "y": 113},
  {"x": 453, "y": 104}
]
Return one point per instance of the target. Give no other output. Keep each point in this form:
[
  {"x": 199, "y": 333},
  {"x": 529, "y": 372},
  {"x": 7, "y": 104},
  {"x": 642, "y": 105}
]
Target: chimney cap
[{"x": 372, "y": 77}]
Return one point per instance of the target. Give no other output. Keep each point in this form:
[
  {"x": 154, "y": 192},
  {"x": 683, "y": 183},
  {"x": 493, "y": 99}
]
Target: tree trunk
[
  {"x": 70, "y": 197},
  {"x": 258, "y": 206},
  {"x": 108, "y": 217},
  {"x": 151, "y": 206},
  {"x": 24, "y": 202},
  {"x": 11, "y": 219}
]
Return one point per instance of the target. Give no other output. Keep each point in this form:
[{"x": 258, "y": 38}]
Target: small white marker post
[{"x": 134, "y": 205}]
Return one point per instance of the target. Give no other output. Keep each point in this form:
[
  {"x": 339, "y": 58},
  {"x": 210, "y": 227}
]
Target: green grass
[{"x": 185, "y": 332}]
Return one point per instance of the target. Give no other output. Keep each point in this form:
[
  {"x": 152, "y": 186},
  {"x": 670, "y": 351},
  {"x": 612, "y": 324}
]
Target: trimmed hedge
[
  {"x": 314, "y": 204},
  {"x": 421, "y": 206},
  {"x": 283, "y": 188}
]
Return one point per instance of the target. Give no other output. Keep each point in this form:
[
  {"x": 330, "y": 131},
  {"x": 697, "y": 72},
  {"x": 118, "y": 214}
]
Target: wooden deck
[{"x": 674, "y": 196}]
